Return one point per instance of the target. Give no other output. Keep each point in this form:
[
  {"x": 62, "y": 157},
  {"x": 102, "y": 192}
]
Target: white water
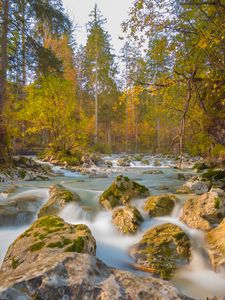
[{"x": 196, "y": 280}]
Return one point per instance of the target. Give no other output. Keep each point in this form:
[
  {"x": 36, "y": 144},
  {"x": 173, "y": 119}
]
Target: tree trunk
[{"x": 4, "y": 155}]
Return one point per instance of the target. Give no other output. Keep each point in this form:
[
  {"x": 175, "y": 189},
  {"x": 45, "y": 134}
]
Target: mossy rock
[
  {"x": 162, "y": 250},
  {"x": 121, "y": 191},
  {"x": 59, "y": 198},
  {"x": 127, "y": 219},
  {"x": 200, "y": 166},
  {"x": 216, "y": 245},
  {"x": 214, "y": 175},
  {"x": 161, "y": 205},
  {"x": 124, "y": 162},
  {"x": 203, "y": 212},
  {"x": 49, "y": 234}
]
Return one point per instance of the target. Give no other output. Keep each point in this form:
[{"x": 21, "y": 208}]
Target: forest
[
  {"x": 164, "y": 93},
  {"x": 112, "y": 150}
]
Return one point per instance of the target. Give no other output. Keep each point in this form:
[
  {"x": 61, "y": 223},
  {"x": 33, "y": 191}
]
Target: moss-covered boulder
[
  {"x": 214, "y": 175},
  {"x": 127, "y": 219},
  {"x": 162, "y": 250},
  {"x": 216, "y": 245},
  {"x": 49, "y": 234},
  {"x": 200, "y": 166},
  {"x": 124, "y": 162},
  {"x": 59, "y": 198},
  {"x": 204, "y": 211},
  {"x": 161, "y": 205},
  {"x": 121, "y": 191}
]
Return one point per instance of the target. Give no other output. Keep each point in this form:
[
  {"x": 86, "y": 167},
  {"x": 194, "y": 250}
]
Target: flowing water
[{"x": 197, "y": 279}]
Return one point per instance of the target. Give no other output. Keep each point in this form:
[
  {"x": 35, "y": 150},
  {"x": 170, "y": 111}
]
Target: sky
[{"x": 115, "y": 11}]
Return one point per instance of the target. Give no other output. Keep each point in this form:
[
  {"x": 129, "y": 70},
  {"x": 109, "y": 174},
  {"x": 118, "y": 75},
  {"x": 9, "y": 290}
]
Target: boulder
[
  {"x": 80, "y": 276},
  {"x": 124, "y": 162},
  {"x": 183, "y": 190},
  {"x": 197, "y": 186},
  {"x": 20, "y": 210},
  {"x": 200, "y": 166},
  {"x": 182, "y": 176},
  {"x": 157, "y": 163},
  {"x": 162, "y": 250},
  {"x": 59, "y": 198},
  {"x": 216, "y": 245},
  {"x": 127, "y": 219},
  {"x": 145, "y": 162},
  {"x": 121, "y": 191},
  {"x": 214, "y": 175},
  {"x": 203, "y": 212},
  {"x": 161, "y": 205},
  {"x": 47, "y": 235},
  {"x": 138, "y": 157}
]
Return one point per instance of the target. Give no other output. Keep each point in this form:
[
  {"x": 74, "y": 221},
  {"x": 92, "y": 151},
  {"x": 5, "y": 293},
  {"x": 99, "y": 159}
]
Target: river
[{"x": 196, "y": 280}]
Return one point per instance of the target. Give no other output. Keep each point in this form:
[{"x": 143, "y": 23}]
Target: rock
[
  {"x": 47, "y": 235},
  {"x": 216, "y": 245},
  {"x": 145, "y": 162},
  {"x": 19, "y": 211},
  {"x": 109, "y": 163},
  {"x": 124, "y": 162},
  {"x": 98, "y": 175},
  {"x": 161, "y": 205},
  {"x": 59, "y": 198},
  {"x": 183, "y": 190},
  {"x": 80, "y": 276},
  {"x": 214, "y": 175},
  {"x": 121, "y": 192},
  {"x": 204, "y": 212},
  {"x": 156, "y": 172},
  {"x": 219, "y": 191},
  {"x": 157, "y": 163},
  {"x": 86, "y": 161},
  {"x": 162, "y": 250},
  {"x": 200, "y": 166},
  {"x": 127, "y": 219},
  {"x": 162, "y": 187},
  {"x": 138, "y": 157},
  {"x": 197, "y": 186},
  {"x": 182, "y": 176}
]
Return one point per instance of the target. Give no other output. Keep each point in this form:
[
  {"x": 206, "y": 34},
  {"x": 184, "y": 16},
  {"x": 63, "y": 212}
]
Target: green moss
[
  {"x": 27, "y": 233},
  {"x": 49, "y": 222},
  {"x": 77, "y": 246},
  {"x": 162, "y": 249},
  {"x": 15, "y": 263},
  {"x": 22, "y": 173},
  {"x": 199, "y": 166},
  {"x": 60, "y": 244},
  {"x": 37, "y": 246},
  {"x": 217, "y": 203},
  {"x": 212, "y": 174}
]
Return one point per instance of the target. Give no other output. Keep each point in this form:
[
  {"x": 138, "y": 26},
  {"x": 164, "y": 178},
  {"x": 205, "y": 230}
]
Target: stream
[{"x": 196, "y": 280}]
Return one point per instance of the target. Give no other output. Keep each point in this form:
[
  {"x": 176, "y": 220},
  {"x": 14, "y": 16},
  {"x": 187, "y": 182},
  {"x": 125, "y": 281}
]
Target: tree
[
  {"x": 99, "y": 68},
  {"x": 194, "y": 34},
  {"x": 22, "y": 46}
]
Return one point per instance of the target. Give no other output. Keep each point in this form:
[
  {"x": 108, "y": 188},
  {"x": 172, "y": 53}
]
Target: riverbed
[{"x": 196, "y": 280}]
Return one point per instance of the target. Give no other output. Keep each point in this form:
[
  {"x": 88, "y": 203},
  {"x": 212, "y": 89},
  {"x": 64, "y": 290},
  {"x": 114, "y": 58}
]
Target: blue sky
[{"x": 116, "y": 11}]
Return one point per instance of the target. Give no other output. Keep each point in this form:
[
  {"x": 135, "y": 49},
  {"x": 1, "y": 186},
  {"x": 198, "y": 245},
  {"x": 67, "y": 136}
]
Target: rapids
[{"x": 196, "y": 280}]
